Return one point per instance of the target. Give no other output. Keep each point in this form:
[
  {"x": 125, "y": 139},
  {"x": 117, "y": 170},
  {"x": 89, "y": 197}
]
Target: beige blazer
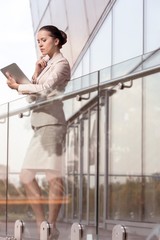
[{"x": 52, "y": 80}]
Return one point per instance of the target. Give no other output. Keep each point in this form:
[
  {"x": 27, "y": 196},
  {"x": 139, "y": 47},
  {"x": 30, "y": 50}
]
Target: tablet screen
[{"x": 16, "y": 72}]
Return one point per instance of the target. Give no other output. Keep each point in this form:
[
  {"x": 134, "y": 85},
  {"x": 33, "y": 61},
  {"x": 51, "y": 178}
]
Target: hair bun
[
  {"x": 56, "y": 33},
  {"x": 64, "y": 36}
]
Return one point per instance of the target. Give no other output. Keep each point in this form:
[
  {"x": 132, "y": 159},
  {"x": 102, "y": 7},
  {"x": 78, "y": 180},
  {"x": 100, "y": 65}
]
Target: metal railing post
[
  {"x": 119, "y": 232},
  {"x": 18, "y": 229},
  {"x": 76, "y": 231},
  {"x": 44, "y": 230}
]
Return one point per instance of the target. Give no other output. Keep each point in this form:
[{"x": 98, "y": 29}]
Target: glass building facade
[
  {"x": 112, "y": 107},
  {"x": 113, "y": 37}
]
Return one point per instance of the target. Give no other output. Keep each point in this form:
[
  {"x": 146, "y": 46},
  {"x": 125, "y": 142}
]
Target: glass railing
[{"x": 106, "y": 170}]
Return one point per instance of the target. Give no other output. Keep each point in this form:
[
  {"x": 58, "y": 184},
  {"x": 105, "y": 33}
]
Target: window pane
[
  {"x": 127, "y": 29},
  {"x": 125, "y": 131},
  {"x": 100, "y": 50},
  {"x": 152, "y": 28},
  {"x": 151, "y": 124},
  {"x": 125, "y": 198}
]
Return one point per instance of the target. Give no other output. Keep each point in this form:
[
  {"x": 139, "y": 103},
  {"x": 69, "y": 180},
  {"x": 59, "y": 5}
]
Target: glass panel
[
  {"x": 39, "y": 14},
  {"x": 151, "y": 31},
  {"x": 126, "y": 67},
  {"x": 76, "y": 10},
  {"x": 85, "y": 143},
  {"x": 26, "y": 200},
  {"x": 151, "y": 124},
  {"x": 110, "y": 169},
  {"x": 61, "y": 22},
  {"x": 125, "y": 130},
  {"x": 68, "y": 208},
  {"x": 76, "y": 197},
  {"x": 103, "y": 108},
  {"x": 35, "y": 16},
  {"x": 93, "y": 141},
  {"x": 85, "y": 81},
  {"x": 145, "y": 61},
  {"x": 86, "y": 63},
  {"x": 92, "y": 197},
  {"x": 4, "y": 127},
  {"x": 127, "y": 36},
  {"x": 105, "y": 74},
  {"x": 46, "y": 20},
  {"x": 80, "y": 137},
  {"x": 125, "y": 198},
  {"x": 131, "y": 194},
  {"x": 42, "y": 7},
  {"x": 153, "y": 59},
  {"x": 100, "y": 49},
  {"x": 151, "y": 197},
  {"x": 94, "y": 9},
  {"x": 33, "y": 191},
  {"x": 20, "y": 135},
  {"x": 102, "y": 213},
  {"x": 85, "y": 197}
]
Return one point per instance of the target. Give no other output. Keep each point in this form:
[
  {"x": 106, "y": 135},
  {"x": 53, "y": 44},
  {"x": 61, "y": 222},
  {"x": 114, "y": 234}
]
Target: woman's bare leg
[
  {"x": 55, "y": 199},
  {"x": 33, "y": 193},
  {"x": 56, "y": 191}
]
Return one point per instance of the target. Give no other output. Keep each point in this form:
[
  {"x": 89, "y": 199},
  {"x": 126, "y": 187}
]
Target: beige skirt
[{"x": 46, "y": 150}]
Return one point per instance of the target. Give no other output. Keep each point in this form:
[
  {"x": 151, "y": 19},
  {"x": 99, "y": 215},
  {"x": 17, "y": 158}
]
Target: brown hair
[{"x": 56, "y": 33}]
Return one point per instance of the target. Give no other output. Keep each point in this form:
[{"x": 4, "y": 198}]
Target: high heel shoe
[{"x": 54, "y": 235}]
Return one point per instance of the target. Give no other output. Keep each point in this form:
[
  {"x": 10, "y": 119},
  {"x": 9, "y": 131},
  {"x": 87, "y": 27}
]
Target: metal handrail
[{"x": 67, "y": 96}]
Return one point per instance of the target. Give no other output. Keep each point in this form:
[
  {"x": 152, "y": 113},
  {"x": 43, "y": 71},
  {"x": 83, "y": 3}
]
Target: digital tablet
[{"x": 16, "y": 72}]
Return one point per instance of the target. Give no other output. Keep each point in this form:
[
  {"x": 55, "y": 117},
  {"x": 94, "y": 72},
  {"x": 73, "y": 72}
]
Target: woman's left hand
[{"x": 11, "y": 82}]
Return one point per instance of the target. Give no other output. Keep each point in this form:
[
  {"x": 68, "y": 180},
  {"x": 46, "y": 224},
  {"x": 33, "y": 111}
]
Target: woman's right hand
[{"x": 40, "y": 65}]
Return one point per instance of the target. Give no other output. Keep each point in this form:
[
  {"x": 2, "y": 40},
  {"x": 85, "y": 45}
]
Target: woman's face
[{"x": 47, "y": 44}]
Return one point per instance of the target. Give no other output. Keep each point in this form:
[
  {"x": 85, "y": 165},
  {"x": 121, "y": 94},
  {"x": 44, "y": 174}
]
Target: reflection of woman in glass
[{"x": 46, "y": 149}]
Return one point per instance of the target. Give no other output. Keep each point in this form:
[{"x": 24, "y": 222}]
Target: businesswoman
[{"x": 46, "y": 149}]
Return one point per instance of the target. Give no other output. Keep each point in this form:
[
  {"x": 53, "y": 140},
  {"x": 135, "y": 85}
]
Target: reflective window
[
  {"x": 125, "y": 131},
  {"x": 151, "y": 125},
  {"x": 127, "y": 29},
  {"x": 3, "y": 166},
  {"x": 59, "y": 17},
  {"x": 100, "y": 49},
  {"x": 35, "y": 13},
  {"x": 42, "y": 7},
  {"x": 78, "y": 31},
  {"x": 85, "y": 146},
  {"x": 93, "y": 141},
  {"x": 47, "y": 18},
  {"x": 102, "y": 204},
  {"x": 151, "y": 26},
  {"x": 86, "y": 63},
  {"x": 103, "y": 133},
  {"x": 151, "y": 198},
  {"x": 85, "y": 197},
  {"x": 125, "y": 201},
  {"x": 92, "y": 195},
  {"x": 78, "y": 71},
  {"x": 94, "y": 9}
]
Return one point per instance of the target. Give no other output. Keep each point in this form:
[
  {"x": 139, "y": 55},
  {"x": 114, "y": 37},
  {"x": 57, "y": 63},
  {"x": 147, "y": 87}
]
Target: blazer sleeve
[{"x": 56, "y": 77}]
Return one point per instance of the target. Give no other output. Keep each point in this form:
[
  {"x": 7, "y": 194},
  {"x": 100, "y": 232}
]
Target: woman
[{"x": 45, "y": 152}]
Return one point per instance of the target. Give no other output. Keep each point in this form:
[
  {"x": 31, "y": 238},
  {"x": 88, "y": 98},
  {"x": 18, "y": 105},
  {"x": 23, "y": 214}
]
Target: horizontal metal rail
[{"x": 67, "y": 96}]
